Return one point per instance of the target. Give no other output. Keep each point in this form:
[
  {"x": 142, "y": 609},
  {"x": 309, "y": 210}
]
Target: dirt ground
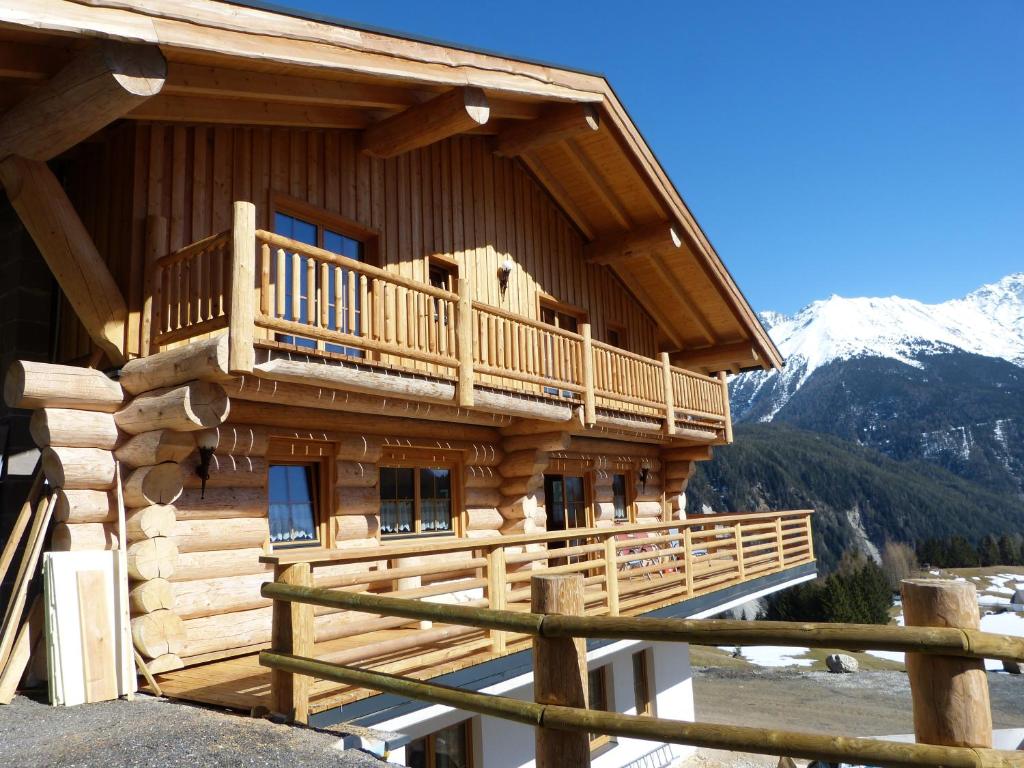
[{"x": 155, "y": 733}]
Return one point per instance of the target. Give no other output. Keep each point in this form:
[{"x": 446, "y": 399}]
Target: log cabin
[{"x": 428, "y": 319}]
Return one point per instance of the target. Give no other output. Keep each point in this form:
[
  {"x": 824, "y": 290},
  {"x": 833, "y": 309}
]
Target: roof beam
[
  {"x": 99, "y": 85},
  {"x": 718, "y": 357},
  {"x": 454, "y": 112},
  {"x": 187, "y": 109},
  {"x": 684, "y": 299},
  {"x": 556, "y": 123},
  {"x": 557, "y": 192},
  {"x": 24, "y": 61},
  {"x": 599, "y": 185},
  {"x": 654, "y": 238}
]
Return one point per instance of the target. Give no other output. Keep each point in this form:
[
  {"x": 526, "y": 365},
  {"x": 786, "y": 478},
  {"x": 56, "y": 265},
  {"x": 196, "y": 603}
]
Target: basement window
[
  {"x": 415, "y": 501},
  {"x": 292, "y": 507}
]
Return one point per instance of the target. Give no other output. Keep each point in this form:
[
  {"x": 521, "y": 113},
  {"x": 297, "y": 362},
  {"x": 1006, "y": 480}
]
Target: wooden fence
[
  {"x": 277, "y": 291},
  {"x": 560, "y": 715}
]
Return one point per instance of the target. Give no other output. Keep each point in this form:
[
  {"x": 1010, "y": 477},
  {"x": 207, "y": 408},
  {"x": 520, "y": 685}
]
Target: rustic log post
[
  {"x": 950, "y": 694},
  {"x": 778, "y": 543},
  {"x": 611, "y": 570},
  {"x": 152, "y": 282},
  {"x": 292, "y": 634},
  {"x": 737, "y": 531},
  {"x": 242, "y": 302},
  {"x": 559, "y": 670},
  {"x": 670, "y": 395},
  {"x": 589, "y": 400},
  {"x": 726, "y": 410},
  {"x": 688, "y": 555},
  {"x": 464, "y": 334},
  {"x": 496, "y": 593}
]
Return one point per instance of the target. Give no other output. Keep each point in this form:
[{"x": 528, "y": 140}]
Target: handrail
[
  {"x": 490, "y": 309},
  {"x": 190, "y": 249},
  {"x": 324, "y": 556},
  {"x": 942, "y": 641},
  {"x": 728, "y": 737}
]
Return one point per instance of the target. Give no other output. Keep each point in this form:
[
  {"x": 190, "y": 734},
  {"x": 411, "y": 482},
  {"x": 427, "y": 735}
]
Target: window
[
  {"x": 293, "y": 500},
  {"x": 442, "y": 274},
  {"x": 598, "y": 699},
  {"x": 567, "y": 319},
  {"x": 415, "y": 500},
  {"x": 616, "y": 336},
  {"x": 642, "y": 682},
  {"x": 448, "y": 748},
  {"x": 298, "y": 221},
  {"x": 620, "y": 502}
]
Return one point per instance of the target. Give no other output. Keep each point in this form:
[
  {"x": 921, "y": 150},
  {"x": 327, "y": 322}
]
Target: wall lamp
[
  {"x": 645, "y": 474},
  {"x": 206, "y": 442},
  {"x": 504, "y": 272}
]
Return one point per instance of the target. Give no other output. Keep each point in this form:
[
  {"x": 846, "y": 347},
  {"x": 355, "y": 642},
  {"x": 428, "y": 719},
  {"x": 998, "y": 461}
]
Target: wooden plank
[{"x": 98, "y": 648}]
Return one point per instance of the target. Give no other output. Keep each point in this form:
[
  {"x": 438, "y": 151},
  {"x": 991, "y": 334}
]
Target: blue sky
[{"x": 858, "y": 148}]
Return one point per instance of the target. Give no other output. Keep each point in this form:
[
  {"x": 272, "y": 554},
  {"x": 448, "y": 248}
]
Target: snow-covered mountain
[{"x": 987, "y": 322}]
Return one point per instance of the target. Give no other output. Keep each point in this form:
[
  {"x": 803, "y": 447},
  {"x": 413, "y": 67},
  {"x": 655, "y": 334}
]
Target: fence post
[
  {"x": 726, "y": 409},
  {"x": 611, "y": 569},
  {"x": 242, "y": 301},
  {"x": 670, "y": 395},
  {"x": 589, "y": 401},
  {"x": 496, "y": 593},
  {"x": 559, "y": 670},
  {"x": 688, "y": 555},
  {"x": 950, "y": 694},
  {"x": 778, "y": 542},
  {"x": 464, "y": 335},
  {"x": 737, "y": 531},
  {"x": 292, "y": 633}
]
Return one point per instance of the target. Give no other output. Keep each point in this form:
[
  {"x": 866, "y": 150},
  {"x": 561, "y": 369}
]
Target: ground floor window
[
  {"x": 416, "y": 500},
  {"x": 293, "y": 503},
  {"x": 598, "y": 698},
  {"x": 620, "y": 501},
  {"x": 642, "y": 682},
  {"x": 448, "y": 748}
]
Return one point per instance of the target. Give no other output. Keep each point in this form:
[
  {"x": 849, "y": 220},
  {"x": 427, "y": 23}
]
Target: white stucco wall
[{"x": 502, "y": 744}]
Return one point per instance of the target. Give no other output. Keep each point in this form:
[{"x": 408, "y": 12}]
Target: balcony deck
[
  {"x": 285, "y": 301},
  {"x": 655, "y": 566}
]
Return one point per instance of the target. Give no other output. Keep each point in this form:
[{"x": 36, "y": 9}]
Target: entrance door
[{"x": 565, "y": 505}]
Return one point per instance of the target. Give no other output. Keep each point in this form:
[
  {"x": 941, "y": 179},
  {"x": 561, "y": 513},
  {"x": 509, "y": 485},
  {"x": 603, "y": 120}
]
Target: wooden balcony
[
  {"x": 628, "y": 570},
  {"x": 277, "y": 295}
]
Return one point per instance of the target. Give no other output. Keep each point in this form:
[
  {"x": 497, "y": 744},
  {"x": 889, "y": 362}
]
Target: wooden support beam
[
  {"x": 454, "y": 112},
  {"x": 242, "y": 301},
  {"x": 292, "y": 634},
  {"x": 554, "y": 188},
  {"x": 717, "y": 357},
  {"x": 101, "y": 84},
  {"x": 683, "y": 297},
  {"x": 557, "y": 123},
  {"x": 654, "y": 238},
  {"x": 194, "y": 109},
  {"x": 70, "y": 253}
]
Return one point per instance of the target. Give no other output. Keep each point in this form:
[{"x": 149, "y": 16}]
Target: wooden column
[
  {"x": 737, "y": 531},
  {"x": 152, "y": 297},
  {"x": 559, "y": 670},
  {"x": 611, "y": 571},
  {"x": 670, "y": 395},
  {"x": 726, "y": 409},
  {"x": 496, "y": 593},
  {"x": 242, "y": 307},
  {"x": 464, "y": 334},
  {"x": 293, "y": 634},
  {"x": 589, "y": 401},
  {"x": 950, "y": 694}
]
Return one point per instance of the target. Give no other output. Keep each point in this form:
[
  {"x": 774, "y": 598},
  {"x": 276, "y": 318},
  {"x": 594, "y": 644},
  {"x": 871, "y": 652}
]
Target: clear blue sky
[{"x": 859, "y": 148}]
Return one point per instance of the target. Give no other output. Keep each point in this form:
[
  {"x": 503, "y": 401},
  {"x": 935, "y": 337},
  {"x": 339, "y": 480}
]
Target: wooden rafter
[
  {"x": 454, "y": 112},
  {"x": 654, "y": 238},
  {"x": 99, "y": 85},
  {"x": 557, "y": 123},
  {"x": 655, "y": 311},
  {"x": 679, "y": 291},
  {"x": 600, "y": 186},
  {"x": 716, "y": 357},
  {"x": 561, "y": 197},
  {"x": 186, "y": 109},
  {"x": 24, "y": 61}
]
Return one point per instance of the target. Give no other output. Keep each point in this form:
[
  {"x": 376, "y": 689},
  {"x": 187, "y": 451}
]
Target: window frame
[
  {"x": 424, "y": 459},
  {"x": 545, "y": 301},
  {"x": 643, "y": 660},
  {"x": 430, "y": 740},
  {"x": 319, "y": 456},
  {"x": 620, "y": 331},
  {"x": 629, "y": 496},
  {"x": 322, "y": 219},
  {"x": 600, "y": 741}
]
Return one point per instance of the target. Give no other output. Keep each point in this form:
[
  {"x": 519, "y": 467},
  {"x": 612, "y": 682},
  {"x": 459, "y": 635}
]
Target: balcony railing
[{"x": 277, "y": 292}]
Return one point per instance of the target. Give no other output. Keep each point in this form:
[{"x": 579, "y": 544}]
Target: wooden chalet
[{"x": 429, "y": 319}]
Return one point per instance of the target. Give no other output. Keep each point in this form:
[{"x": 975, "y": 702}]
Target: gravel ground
[
  {"x": 862, "y": 704},
  {"x": 155, "y": 733}
]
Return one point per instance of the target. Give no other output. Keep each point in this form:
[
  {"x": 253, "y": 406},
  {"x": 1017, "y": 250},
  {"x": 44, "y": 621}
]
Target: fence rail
[
  {"x": 554, "y": 721},
  {"x": 307, "y": 298}
]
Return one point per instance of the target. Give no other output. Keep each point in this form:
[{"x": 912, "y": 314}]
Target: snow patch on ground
[{"x": 773, "y": 656}]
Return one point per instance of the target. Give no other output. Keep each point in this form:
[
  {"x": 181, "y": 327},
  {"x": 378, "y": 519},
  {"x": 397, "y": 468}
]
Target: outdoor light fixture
[
  {"x": 504, "y": 272},
  {"x": 206, "y": 442},
  {"x": 645, "y": 473}
]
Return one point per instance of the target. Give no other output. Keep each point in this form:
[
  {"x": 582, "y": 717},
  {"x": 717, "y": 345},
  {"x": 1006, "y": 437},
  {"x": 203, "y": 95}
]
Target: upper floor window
[
  {"x": 293, "y": 501},
  {"x": 616, "y": 335}
]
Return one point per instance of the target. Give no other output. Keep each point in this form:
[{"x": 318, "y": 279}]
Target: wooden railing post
[
  {"x": 464, "y": 335},
  {"x": 242, "y": 301},
  {"x": 293, "y": 634},
  {"x": 778, "y": 542},
  {"x": 670, "y": 395},
  {"x": 949, "y": 694},
  {"x": 559, "y": 670},
  {"x": 611, "y": 569},
  {"x": 810, "y": 536},
  {"x": 737, "y": 531},
  {"x": 589, "y": 400},
  {"x": 496, "y": 593},
  {"x": 726, "y": 409},
  {"x": 688, "y": 555}
]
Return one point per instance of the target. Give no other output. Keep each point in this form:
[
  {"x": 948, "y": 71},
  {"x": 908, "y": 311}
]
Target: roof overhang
[{"x": 280, "y": 68}]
